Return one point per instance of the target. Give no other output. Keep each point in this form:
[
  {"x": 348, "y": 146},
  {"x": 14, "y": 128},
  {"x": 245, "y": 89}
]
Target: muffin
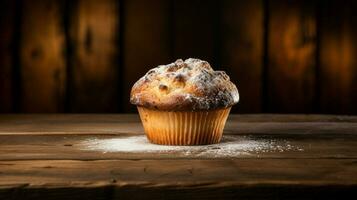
[{"x": 184, "y": 103}]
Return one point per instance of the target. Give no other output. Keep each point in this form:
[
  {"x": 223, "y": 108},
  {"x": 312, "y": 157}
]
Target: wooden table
[{"x": 314, "y": 156}]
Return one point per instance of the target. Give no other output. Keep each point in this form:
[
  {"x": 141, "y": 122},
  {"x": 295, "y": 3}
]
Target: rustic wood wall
[{"x": 84, "y": 55}]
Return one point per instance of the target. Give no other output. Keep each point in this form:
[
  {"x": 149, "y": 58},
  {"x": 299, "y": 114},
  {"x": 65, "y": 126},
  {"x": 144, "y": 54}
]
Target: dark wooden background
[{"x": 84, "y": 55}]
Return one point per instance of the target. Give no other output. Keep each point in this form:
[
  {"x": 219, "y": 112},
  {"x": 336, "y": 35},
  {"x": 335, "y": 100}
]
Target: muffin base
[{"x": 184, "y": 127}]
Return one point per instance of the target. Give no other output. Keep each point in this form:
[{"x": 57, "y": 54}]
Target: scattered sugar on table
[{"x": 230, "y": 146}]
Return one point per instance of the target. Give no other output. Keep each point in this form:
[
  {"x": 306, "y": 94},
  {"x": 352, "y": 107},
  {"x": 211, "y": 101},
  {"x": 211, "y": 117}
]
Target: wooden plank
[
  {"x": 58, "y": 167},
  {"x": 135, "y": 128},
  {"x": 146, "y": 41},
  {"x": 241, "y": 49},
  {"x": 194, "y": 30},
  {"x": 291, "y": 56},
  {"x": 338, "y": 62},
  {"x": 7, "y": 23},
  {"x": 175, "y": 174},
  {"x": 130, "y": 124},
  {"x": 107, "y": 147},
  {"x": 42, "y": 60},
  {"x": 94, "y": 27}
]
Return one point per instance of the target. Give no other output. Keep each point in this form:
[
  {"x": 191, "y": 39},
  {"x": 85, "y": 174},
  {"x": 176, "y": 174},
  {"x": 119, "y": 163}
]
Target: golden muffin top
[{"x": 183, "y": 86}]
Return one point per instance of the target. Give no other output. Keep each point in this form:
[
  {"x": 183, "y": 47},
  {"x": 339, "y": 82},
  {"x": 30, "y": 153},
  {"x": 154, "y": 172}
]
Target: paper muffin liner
[{"x": 184, "y": 127}]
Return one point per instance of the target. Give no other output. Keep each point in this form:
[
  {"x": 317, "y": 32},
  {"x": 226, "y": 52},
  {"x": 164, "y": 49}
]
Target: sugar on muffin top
[{"x": 189, "y": 85}]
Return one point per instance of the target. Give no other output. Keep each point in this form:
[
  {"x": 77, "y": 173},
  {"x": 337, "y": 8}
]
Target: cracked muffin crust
[{"x": 190, "y": 85}]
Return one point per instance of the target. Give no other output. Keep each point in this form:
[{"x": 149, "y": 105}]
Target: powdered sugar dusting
[
  {"x": 192, "y": 81},
  {"x": 231, "y": 146}
]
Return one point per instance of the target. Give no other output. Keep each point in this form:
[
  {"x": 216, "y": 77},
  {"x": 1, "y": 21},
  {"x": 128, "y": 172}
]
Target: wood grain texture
[
  {"x": 289, "y": 178},
  {"x": 241, "y": 50},
  {"x": 94, "y": 31},
  {"x": 194, "y": 29},
  {"x": 84, "y": 124},
  {"x": 145, "y": 41},
  {"x": 296, "y": 145},
  {"x": 179, "y": 172},
  {"x": 291, "y": 56},
  {"x": 42, "y": 60},
  {"x": 7, "y": 24},
  {"x": 42, "y": 156},
  {"x": 338, "y": 61}
]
